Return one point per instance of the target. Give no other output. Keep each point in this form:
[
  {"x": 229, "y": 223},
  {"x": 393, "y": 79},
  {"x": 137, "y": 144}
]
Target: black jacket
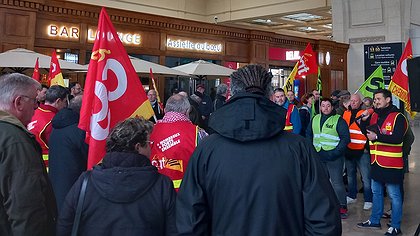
[
  {"x": 206, "y": 105},
  {"x": 219, "y": 101},
  {"x": 125, "y": 195},
  {"x": 305, "y": 119},
  {"x": 67, "y": 153},
  {"x": 251, "y": 178},
  {"x": 195, "y": 114}
]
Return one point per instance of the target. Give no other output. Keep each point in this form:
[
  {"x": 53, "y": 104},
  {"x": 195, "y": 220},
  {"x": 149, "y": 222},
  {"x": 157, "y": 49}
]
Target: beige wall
[{"x": 360, "y": 22}]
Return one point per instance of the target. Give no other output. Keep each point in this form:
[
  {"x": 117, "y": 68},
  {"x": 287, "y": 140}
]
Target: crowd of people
[{"x": 255, "y": 161}]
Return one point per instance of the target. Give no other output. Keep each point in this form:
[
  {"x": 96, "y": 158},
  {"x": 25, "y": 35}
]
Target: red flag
[
  {"x": 399, "y": 81},
  {"x": 307, "y": 62},
  {"x": 113, "y": 91},
  {"x": 54, "y": 76},
  {"x": 35, "y": 75}
]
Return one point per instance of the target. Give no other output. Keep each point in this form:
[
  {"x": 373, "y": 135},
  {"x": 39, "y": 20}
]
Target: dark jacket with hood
[
  {"x": 27, "y": 203},
  {"x": 251, "y": 178},
  {"x": 67, "y": 154},
  {"x": 125, "y": 195}
]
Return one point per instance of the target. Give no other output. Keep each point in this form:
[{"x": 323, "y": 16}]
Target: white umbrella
[
  {"x": 203, "y": 69},
  {"x": 143, "y": 67},
  {"x": 24, "y": 58}
]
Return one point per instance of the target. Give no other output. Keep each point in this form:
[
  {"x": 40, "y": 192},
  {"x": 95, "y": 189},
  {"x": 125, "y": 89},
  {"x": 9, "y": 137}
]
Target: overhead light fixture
[
  {"x": 328, "y": 26},
  {"x": 307, "y": 29},
  {"x": 302, "y": 17},
  {"x": 262, "y": 21}
]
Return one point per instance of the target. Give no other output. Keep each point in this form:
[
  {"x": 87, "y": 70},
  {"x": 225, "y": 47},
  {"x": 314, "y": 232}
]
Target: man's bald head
[
  {"x": 178, "y": 103},
  {"x": 355, "y": 101}
]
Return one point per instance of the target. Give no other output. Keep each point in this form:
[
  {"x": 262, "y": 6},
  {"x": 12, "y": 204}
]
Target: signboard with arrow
[{"x": 385, "y": 55}]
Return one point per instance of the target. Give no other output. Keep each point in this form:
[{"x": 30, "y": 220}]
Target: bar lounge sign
[{"x": 66, "y": 32}]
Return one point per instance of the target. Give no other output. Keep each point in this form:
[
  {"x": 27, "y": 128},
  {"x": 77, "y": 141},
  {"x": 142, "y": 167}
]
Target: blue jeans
[
  {"x": 363, "y": 164},
  {"x": 394, "y": 192},
  {"x": 335, "y": 172}
]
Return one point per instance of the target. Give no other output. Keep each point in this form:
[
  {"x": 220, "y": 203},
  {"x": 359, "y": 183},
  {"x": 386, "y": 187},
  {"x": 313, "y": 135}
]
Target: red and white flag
[
  {"x": 305, "y": 66},
  {"x": 54, "y": 76},
  {"x": 35, "y": 75},
  {"x": 113, "y": 91},
  {"x": 307, "y": 63},
  {"x": 399, "y": 81}
]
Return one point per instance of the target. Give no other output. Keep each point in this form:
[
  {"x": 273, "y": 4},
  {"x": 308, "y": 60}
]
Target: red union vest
[
  {"x": 288, "y": 125},
  {"x": 173, "y": 144},
  {"x": 386, "y": 155},
  {"x": 40, "y": 126},
  {"x": 357, "y": 138}
]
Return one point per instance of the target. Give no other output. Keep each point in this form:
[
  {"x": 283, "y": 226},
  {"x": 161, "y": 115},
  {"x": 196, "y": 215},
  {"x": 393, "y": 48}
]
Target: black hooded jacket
[
  {"x": 251, "y": 178},
  {"x": 68, "y": 153},
  {"x": 125, "y": 195}
]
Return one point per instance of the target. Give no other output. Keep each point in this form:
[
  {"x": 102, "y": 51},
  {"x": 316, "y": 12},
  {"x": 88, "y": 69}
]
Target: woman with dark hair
[
  {"x": 125, "y": 194},
  {"x": 305, "y": 111}
]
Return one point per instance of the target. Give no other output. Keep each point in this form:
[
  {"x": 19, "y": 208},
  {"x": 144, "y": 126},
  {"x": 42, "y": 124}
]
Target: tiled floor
[{"x": 411, "y": 210}]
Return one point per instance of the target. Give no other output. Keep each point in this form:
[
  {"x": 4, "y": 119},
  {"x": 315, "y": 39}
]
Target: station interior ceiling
[{"x": 302, "y": 18}]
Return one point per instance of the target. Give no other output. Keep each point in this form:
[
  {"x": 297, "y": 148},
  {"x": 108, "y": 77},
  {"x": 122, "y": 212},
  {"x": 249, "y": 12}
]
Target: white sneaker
[
  {"x": 367, "y": 206},
  {"x": 351, "y": 200}
]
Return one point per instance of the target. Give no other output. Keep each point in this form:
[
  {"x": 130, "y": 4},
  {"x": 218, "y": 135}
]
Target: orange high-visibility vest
[
  {"x": 289, "y": 126},
  {"x": 387, "y": 155},
  {"x": 357, "y": 138}
]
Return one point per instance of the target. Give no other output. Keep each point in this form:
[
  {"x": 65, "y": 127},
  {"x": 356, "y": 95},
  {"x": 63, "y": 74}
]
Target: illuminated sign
[
  {"x": 194, "y": 46},
  {"x": 73, "y": 33},
  {"x": 126, "y": 38},
  {"x": 63, "y": 31},
  {"x": 292, "y": 55}
]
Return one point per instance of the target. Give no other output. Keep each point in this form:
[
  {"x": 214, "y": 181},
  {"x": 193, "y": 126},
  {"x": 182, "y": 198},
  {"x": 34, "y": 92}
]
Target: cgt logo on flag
[
  {"x": 113, "y": 91},
  {"x": 307, "y": 62},
  {"x": 303, "y": 64},
  {"x": 105, "y": 96}
]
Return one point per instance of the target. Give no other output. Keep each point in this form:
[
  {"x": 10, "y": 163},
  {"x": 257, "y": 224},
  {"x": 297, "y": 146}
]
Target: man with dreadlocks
[{"x": 252, "y": 178}]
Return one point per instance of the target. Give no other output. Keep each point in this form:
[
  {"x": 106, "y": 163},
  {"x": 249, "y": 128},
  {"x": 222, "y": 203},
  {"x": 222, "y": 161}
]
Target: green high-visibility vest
[{"x": 325, "y": 138}]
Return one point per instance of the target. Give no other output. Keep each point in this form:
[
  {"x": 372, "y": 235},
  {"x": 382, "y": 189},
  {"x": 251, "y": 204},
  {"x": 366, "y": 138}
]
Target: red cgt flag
[
  {"x": 399, "y": 81},
  {"x": 54, "y": 76},
  {"x": 307, "y": 62},
  {"x": 35, "y": 75},
  {"x": 113, "y": 91}
]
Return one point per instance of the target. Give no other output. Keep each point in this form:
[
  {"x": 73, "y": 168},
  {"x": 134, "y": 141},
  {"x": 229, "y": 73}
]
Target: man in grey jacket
[{"x": 27, "y": 201}]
